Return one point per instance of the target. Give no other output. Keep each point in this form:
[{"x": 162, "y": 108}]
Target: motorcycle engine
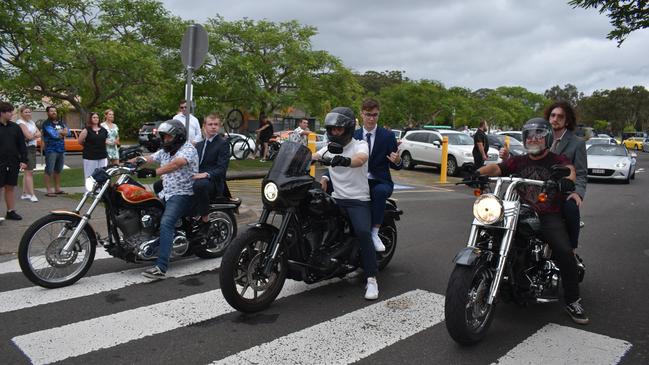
[
  {"x": 138, "y": 225},
  {"x": 538, "y": 274}
]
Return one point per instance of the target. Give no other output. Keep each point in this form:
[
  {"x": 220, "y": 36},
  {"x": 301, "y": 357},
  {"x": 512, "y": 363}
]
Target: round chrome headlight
[
  {"x": 488, "y": 209},
  {"x": 270, "y": 191},
  {"x": 90, "y": 184}
]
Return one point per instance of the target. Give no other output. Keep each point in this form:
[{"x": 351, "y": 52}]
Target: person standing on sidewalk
[
  {"x": 194, "y": 134},
  {"x": 301, "y": 133},
  {"x": 93, "y": 139},
  {"x": 112, "y": 143},
  {"x": 480, "y": 144},
  {"x": 31, "y": 133},
  {"x": 13, "y": 157},
  {"x": 54, "y": 132}
]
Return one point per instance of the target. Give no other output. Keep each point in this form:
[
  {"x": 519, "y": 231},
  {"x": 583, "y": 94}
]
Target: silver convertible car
[{"x": 611, "y": 162}]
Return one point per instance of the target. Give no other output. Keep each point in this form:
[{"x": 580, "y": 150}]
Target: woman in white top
[
  {"x": 31, "y": 133},
  {"x": 112, "y": 142}
]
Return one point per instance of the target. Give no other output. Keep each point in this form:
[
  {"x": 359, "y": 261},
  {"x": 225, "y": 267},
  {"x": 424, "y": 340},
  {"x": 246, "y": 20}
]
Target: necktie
[
  {"x": 203, "y": 152},
  {"x": 554, "y": 146},
  {"x": 369, "y": 142}
]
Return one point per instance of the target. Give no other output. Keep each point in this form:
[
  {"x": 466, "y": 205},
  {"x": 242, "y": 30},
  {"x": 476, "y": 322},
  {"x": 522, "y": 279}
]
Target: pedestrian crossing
[{"x": 340, "y": 335}]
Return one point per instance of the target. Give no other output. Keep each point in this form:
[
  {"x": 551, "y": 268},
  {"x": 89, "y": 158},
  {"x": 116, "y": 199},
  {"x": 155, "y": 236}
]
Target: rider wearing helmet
[
  {"x": 348, "y": 172},
  {"x": 536, "y": 164},
  {"x": 178, "y": 161}
]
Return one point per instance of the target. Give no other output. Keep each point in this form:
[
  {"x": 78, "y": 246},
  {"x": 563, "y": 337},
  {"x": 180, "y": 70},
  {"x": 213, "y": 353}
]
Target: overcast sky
[{"x": 470, "y": 43}]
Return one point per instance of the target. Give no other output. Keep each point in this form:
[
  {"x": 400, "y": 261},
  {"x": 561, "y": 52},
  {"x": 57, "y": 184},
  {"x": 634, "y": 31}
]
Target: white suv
[{"x": 424, "y": 147}]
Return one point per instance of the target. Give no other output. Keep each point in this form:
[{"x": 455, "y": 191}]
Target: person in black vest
[
  {"x": 480, "y": 144},
  {"x": 13, "y": 156},
  {"x": 213, "y": 157},
  {"x": 93, "y": 139}
]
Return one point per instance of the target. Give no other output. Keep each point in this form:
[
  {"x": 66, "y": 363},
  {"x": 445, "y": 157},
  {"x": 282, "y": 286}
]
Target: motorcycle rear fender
[
  {"x": 391, "y": 210},
  {"x": 469, "y": 255},
  {"x": 93, "y": 235}
]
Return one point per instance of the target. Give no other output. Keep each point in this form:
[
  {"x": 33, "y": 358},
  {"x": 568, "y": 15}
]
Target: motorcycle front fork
[
  {"x": 84, "y": 219},
  {"x": 269, "y": 261}
]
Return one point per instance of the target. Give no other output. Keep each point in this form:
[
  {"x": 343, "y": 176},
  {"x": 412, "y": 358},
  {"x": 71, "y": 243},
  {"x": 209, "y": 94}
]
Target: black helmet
[
  {"x": 340, "y": 117},
  {"x": 537, "y": 127},
  {"x": 173, "y": 128}
]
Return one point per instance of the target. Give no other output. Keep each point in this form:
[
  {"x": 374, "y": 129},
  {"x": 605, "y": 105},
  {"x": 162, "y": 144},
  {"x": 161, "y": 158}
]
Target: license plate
[{"x": 598, "y": 171}]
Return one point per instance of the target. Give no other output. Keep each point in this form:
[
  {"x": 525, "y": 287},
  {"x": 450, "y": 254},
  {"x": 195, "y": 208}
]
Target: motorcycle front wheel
[
  {"x": 40, "y": 256},
  {"x": 467, "y": 313},
  {"x": 243, "y": 283},
  {"x": 223, "y": 229}
]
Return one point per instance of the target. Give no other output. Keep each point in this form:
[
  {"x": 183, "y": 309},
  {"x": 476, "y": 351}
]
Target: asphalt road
[{"x": 114, "y": 317}]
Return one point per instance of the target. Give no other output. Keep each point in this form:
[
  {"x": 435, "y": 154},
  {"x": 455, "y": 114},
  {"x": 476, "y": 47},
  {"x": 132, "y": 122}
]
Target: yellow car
[{"x": 634, "y": 143}]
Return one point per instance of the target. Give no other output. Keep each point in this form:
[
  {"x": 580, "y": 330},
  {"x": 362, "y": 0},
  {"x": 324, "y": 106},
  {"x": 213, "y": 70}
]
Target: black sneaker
[
  {"x": 12, "y": 215},
  {"x": 577, "y": 312},
  {"x": 154, "y": 273}
]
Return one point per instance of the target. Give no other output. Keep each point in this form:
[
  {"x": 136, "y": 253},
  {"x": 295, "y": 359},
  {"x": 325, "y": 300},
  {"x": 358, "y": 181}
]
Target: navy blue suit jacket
[
  {"x": 384, "y": 144},
  {"x": 215, "y": 160}
]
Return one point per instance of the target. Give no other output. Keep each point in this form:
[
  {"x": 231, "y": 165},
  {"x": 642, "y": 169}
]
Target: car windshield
[
  {"x": 458, "y": 139},
  {"x": 606, "y": 150},
  {"x": 597, "y": 141}
]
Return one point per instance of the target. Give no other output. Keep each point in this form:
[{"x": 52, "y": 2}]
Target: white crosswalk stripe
[
  {"x": 12, "y": 266},
  {"x": 340, "y": 339},
  {"x": 35, "y": 295},
  {"x": 351, "y": 337}
]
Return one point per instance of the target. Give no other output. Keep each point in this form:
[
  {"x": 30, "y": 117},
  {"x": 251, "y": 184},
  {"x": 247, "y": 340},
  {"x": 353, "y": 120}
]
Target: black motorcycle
[
  {"x": 313, "y": 240},
  {"x": 505, "y": 259},
  {"x": 59, "y": 248}
]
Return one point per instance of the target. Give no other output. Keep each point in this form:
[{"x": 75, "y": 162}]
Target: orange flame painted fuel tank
[{"x": 135, "y": 194}]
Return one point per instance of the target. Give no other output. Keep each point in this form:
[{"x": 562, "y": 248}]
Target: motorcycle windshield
[{"x": 293, "y": 160}]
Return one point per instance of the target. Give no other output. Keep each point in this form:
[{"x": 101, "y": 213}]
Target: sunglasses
[{"x": 371, "y": 115}]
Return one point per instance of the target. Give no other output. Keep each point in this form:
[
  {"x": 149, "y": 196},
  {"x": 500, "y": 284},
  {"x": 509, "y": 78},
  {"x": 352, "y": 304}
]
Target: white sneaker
[
  {"x": 378, "y": 245},
  {"x": 372, "y": 289},
  {"x": 25, "y": 197},
  {"x": 2, "y": 220},
  {"x": 33, "y": 198}
]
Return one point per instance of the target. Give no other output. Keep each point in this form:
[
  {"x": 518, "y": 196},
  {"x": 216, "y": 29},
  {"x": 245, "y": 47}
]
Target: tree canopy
[{"x": 625, "y": 16}]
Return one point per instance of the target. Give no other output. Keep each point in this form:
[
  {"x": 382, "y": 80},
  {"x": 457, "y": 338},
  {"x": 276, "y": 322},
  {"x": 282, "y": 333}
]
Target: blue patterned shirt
[{"x": 180, "y": 181}]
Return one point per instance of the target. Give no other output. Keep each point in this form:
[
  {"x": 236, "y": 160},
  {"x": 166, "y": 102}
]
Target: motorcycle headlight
[
  {"x": 90, "y": 184},
  {"x": 619, "y": 165},
  {"x": 488, "y": 209},
  {"x": 270, "y": 191}
]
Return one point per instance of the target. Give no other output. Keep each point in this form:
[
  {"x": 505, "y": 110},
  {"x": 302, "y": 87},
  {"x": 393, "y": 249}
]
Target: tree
[
  {"x": 568, "y": 93},
  {"x": 621, "y": 107},
  {"x": 90, "y": 54},
  {"x": 373, "y": 81},
  {"x": 625, "y": 16},
  {"x": 265, "y": 66}
]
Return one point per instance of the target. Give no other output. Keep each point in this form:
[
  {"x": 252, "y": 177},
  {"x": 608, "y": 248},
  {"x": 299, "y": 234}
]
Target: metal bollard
[{"x": 442, "y": 169}]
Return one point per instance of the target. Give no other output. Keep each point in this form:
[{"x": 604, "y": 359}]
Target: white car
[
  {"x": 600, "y": 140},
  {"x": 611, "y": 162},
  {"x": 424, "y": 147}
]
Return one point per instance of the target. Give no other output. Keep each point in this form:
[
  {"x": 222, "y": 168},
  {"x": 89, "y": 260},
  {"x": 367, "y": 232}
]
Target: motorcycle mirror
[{"x": 334, "y": 148}]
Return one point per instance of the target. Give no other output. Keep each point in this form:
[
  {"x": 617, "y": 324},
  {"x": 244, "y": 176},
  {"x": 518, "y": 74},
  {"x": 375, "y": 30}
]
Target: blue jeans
[
  {"x": 176, "y": 207},
  {"x": 359, "y": 215},
  {"x": 379, "y": 192}
]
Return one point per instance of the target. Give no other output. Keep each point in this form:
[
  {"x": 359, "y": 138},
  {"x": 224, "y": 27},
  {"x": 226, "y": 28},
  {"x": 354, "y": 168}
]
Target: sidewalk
[{"x": 12, "y": 231}]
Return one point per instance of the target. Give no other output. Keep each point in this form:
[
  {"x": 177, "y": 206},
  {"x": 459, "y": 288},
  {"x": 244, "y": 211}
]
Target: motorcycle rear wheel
[
  {"x": 467, "y": 314},
  {"x": 39, "y": 253},
  {"x": 222, "y": 231},
  {"x": 243, "y": 284},
  {"x": 388, "y": 235}
]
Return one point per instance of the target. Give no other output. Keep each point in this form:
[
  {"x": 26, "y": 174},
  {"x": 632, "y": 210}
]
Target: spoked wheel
[
  {"x": 234, "y": 119},
  {"x": 222, "y": 231},
  {"x": 388, "y": 235},
  {"x": 241, "y": 149},
  {"x": 407, "y": 161},
  {"x": 40, "y": 252},
  {"x": 451, "y": 166},
  {"x": 243, "y": 282},
  {"x": 468, "y": 315}
]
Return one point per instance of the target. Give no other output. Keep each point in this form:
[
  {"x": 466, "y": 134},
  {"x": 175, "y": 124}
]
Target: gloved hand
[
  {"x": 142, "y": 173},
  {"x": 566, "y": 185},
  {"x": 339, "y": 160}
]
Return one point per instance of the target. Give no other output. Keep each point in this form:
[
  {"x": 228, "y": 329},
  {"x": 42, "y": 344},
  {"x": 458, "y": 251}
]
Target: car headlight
[
  {"x": 620, "y": 164},
  {"x": 90, "y": 184},
  {"x": 467, "y": 154},
  {"x": 270, "y": 191},
  {"x": 488, "y": 209}
]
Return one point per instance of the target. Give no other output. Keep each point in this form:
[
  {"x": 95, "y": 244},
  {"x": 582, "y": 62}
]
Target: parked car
[
  {"x": 497, "y": 141},
  {"x": 424, "y": 147},
  {"x": 71, "y": 142},
  {"x": 611, "y": 162},
  {"x": 634, "y": 143},
  {"x": 600, "y": 140},
  {"x": 518, "y": 135},
  {"x": 398, "y": 134},
  {"x": 645, "y": 145},
  {"x": 148, "y": 136}
]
